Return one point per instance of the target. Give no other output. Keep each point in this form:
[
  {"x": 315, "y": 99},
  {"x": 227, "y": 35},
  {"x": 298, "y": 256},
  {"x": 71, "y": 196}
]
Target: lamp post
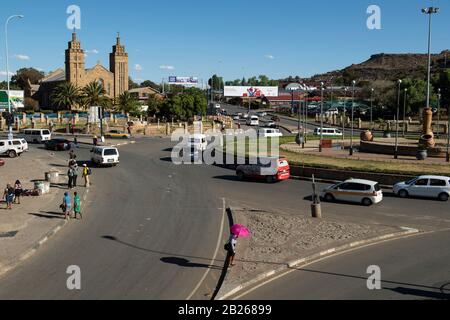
[
  {"x": 448, "y": 135},
  {"x": 10, "y": 133},
  {"x": 371, "y": 108},
  {"x": 321, "y": 116},
  {"x": 396, "y": 122},
  {"x": 343, "y": 120},
  {"x": 439, "y": 113},
  {"x": 404, "y": 112},
  {"x": 430, "y": 11},
  {"x": 353, "y": 122}
]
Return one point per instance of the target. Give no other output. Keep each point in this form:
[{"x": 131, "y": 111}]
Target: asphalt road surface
[
  {"x": 417, "y": 267},
  {"x": 151, "y": 228}
]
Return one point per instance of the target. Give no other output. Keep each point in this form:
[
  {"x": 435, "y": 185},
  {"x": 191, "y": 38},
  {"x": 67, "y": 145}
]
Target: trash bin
[
  {"x": 43, "y": 187},
  {"x": 52, "y": 176}
]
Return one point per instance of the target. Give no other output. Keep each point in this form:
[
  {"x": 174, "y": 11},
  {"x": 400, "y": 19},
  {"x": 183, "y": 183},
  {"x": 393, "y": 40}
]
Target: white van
[
  {"x": 13, "y": 148},
  {"x": 328, "y": 132},
  {"x": 37, "y": 135},
  {"x": 268, "y": 132},
  {"x": 198, "y": 142},
  {"x": 253, "y": 121},
  {"x": 108, "y": 156}
]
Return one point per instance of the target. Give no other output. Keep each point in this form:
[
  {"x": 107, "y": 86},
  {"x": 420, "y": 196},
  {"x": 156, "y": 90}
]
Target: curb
[
  {"x": 315, "y": 257},
  {"x": 38, "y": 244}
]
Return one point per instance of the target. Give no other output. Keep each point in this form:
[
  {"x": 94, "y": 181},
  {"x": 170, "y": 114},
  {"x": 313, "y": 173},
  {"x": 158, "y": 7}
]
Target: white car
[
  {"x": 253, "y": 121},
  {"x": 108, "y": 156},
  {"x": 13, "y": 148},
  {"x": 269, "y": 133},
  {"x": 437, "y": 187},
  {"x": 37, "y": 135},
  {"x": 361, "y": 191}
]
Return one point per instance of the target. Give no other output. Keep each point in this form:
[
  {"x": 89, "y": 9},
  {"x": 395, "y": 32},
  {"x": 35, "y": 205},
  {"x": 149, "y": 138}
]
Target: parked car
[
  {"x": 37, "y": 135},
  {"x": 253, "y": 121},
  {"x": 117, "y": 134},
  {"x": 437, "y": 187},
  {"x": 58, "y": 144},
  {"x": 105, "y": 156},
  {"x": 271, "y": 124},
  {"x": 262, "y": 114},
  {"x": 365, "y": 192},
  {"x": 268, "y": 133},
  {"x": 276, "y": 169},
  {"x": 2, "y": 163},
  {"x": 330, "y": 132},
  {"x": 236, "y": 118},
  {"x": 12, "y": 148}
]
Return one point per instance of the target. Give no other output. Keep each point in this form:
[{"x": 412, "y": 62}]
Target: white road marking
[{"x": 219, "y": 241}]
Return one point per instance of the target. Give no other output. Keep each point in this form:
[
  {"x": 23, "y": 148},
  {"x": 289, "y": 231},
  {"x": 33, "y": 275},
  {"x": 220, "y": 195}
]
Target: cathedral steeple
[
  {"x": 118, "y": 64},
  {"x": 74, "y": 61}
]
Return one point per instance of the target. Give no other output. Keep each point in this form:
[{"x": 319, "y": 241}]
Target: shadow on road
[
  {"x": 48, "y": 215},
  {"x": 187, "y": 264},
  {"x": 422, "y": 293}
]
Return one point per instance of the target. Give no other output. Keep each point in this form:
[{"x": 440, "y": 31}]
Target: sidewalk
[
  {"x": 28, "y": 225},
  {"x": 281, "y": 241}
]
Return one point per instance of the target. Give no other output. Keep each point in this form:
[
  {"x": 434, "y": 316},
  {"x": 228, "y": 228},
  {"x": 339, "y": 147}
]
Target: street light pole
[
  {"x": 321, "y": 117},
  {"x": 371, "y": 108},
  {"x": 343, "y": 120},
  {"x": 404, "y": 112},
  {"x": 10, "y": 132},
  {"x": 448, "y": 135},
  {"x": 353, "y": 114},
  {"x": 439, "y": 113},
  {"x": 397, "y": 120},
  {"x": 430, "y": 11}
]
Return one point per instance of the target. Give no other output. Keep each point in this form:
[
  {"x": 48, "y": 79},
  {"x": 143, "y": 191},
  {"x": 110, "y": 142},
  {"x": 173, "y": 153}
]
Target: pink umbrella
[{"x": 240, "y": 231}]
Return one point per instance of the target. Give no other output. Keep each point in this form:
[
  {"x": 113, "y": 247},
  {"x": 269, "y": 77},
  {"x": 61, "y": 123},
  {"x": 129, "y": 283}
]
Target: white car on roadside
[
  {"x": 269, "y": 133},
  {"x": 437, "y": 187},
  {"x": 13, "y": 148},
  {"x": 365, "y": 192},
  {"x": 107, "y": 156}
]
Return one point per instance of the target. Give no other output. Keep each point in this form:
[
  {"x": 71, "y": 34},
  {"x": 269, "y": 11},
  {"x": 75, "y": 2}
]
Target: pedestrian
[
  {"x": 75, "y": 173},
  {"x": 72, "y": 155},
  {"x": 95, "y": 141},
  {"x": 77, "y": 205},
  {"x": 231, "y": 249},
  {"x": 8, "y": 194},
  {"x": 70, "y": 175},
  {"x": 18, "y": 190},
  {"x": 67, "y": 205},
  {"x": 86, "y": 173}
]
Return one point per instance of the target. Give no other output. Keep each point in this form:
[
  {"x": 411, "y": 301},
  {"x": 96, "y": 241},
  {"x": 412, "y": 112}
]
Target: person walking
[
  {"x": 67, "y": 205},
  {"x": 70, "y": 175},
  {"x": 77, "y": 205},
  {"x": 18, "y": 190},
  {"x": 72, "y": 155},
  {"x": 8, "y": 194},
  {"x": 85, "y": 174},
  {"x": 231, "y": 249},
  {"x": 75, "y": 173}
]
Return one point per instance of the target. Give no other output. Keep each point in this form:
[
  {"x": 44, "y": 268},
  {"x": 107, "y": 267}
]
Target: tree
[
  {"x": 31, "y": 104},
  {"x": 216, "y": 82},
  {"x": 132, "y": 84},
  {"x": 151, "y": 84},
  {"x": 128, "y": 104},
  {"x": 416, "y": 98},
  {"x": 22, "y": 76},
  {"x": 93, "y": 94},
  {"x": 66, "y": 96},
  {"x": 443, "y": 82},
  {"x": 154, "y": 105},
  {"x": 184, "y": 106}
]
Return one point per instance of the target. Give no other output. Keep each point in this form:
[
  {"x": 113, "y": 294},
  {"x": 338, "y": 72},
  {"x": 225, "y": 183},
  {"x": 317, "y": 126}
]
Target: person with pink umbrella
[{"x": 237, "y": 231}]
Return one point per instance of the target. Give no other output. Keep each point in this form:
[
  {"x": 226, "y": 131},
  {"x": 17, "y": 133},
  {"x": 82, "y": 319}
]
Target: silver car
[{"x": 437, "y": 187}]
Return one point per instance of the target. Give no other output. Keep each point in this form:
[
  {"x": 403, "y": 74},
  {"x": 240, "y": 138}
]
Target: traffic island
[{"x": 280, "y": 242}]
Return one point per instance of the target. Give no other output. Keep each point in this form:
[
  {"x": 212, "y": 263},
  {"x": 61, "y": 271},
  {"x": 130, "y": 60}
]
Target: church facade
[{"x": 114, "y": 80}]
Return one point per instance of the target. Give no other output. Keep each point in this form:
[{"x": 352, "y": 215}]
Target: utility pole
[
  {"x": 404, "y": 112},
  {"x": 397, "y": 120},
  {"x": 353, "y": 114},
  {"x": 321, "y": 117}
]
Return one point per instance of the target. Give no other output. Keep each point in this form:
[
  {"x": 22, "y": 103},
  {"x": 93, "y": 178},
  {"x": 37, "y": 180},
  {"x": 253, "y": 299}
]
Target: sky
[{"x": 233, "y": 38}]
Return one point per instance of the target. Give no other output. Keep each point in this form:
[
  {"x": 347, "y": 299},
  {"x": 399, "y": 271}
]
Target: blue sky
[{"x": 234, "y": 38}]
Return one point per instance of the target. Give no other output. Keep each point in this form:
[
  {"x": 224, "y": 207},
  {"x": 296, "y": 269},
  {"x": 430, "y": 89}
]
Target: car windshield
[
  {"x": 410, "y": 182},
  {"x": 46, "y": 132},
  {"x": 110, "y": 152}
]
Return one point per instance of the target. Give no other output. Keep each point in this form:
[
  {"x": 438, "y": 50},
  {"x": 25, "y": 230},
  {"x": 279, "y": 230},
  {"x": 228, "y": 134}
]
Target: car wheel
[
  {"x": 12, "y": 154},
  {"x": 443, "y": 197},
  {"x": 403, "y": 194},
  {"x": 329, "y": 197},
  {"x": 270, "y": 179},
  {"x": 367, "y": 202},
  {"x": 240, "y": 175}
]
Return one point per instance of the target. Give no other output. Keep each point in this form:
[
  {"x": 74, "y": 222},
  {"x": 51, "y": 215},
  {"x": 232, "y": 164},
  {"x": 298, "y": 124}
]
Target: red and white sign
[{"x": 252, "y": 92}]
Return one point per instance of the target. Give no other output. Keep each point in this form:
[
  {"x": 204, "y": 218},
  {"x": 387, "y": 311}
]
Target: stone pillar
[
  {"x": 128, "y": 117},
  {"x": 186, "y": 128},
  {"x": 158, "y": 123},
  {"x": 446, "y": 128},
  {"x": 359, "y": 123},
  {"x": 33, "y": 124},
  {"x": 140, "y": 118},
  {"x": 348, "y": 120},
  {"x": 43, "y": 120},
  {"x": 168, "y": 129},
  {"x": 46, "y": 121},
  {"x": 406, "y": 124},
  {"x": 77, "y": 119},
  {"x": 24, "y": 119},
  {"x": 2, "y": 123},
  {"x": 114, "y": 119},
  {"x": 17, "y": 124}
]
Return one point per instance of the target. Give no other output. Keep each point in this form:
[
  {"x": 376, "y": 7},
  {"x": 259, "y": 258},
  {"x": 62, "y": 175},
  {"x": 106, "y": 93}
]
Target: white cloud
[
  {"x": 3, "y": 73},
  {"x": 164, "y": 67},
  {"x": 21, "y": 57},
  {"x": 269, "y": 56},
  {"x": 94, "y": 51},
  {"x": 138, "y": 80},
  {"x": 137, "y": 67},
  {"x": 86, "y": 55}
]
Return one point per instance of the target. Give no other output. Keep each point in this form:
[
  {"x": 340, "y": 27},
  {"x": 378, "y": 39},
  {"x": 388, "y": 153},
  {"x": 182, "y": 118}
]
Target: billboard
[
  {"x": 183, "y": 80},
  {"x": 252, "y": 92},
  {"x": 16, "y": 97}
]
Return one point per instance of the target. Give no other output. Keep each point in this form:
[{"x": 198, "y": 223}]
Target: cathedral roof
[{"x": 55, "y": 76}]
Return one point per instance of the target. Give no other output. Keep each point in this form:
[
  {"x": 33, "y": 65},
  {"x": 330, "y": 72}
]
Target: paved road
[
  {"x": 150, "y": 233},
  {"x": 152, "y": 228},
  {"x": 412, "y": 268}
]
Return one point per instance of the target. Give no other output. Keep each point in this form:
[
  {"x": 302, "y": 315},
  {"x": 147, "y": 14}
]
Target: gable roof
[{"x": 55, "y": 76}]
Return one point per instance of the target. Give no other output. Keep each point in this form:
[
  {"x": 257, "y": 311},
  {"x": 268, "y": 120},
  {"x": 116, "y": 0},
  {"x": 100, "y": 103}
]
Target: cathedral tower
[
  {"x": 118, "y": 65},
  {"x": 75, "y": 62}
]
